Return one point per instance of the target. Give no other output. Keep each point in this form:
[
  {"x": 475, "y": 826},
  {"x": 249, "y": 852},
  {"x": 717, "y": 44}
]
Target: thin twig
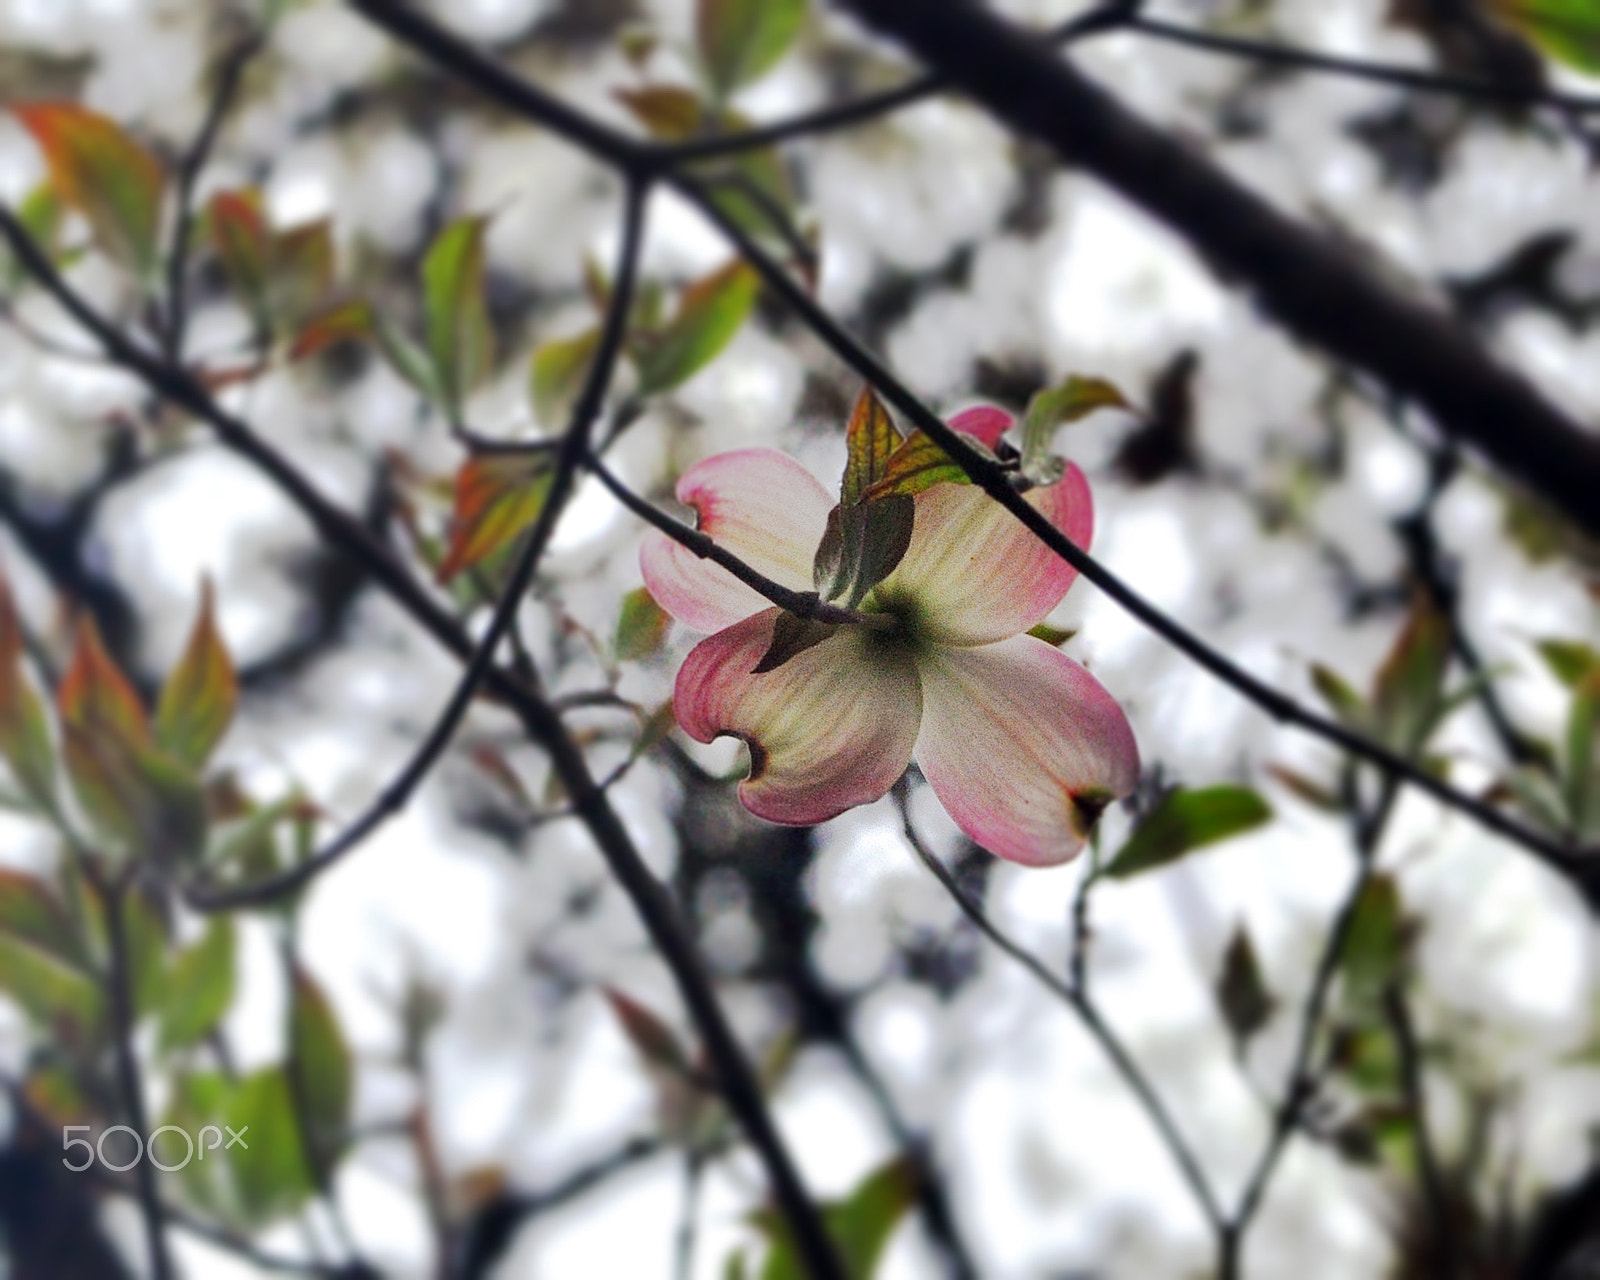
[
  {"x": 803, "y": 604},
  {"x": 188, "y": 174},
  {"x": 739, "y": 1086},
  {"x": 1076, "y": 998},
  {"x": 1301, "y": 1087},
  {"x": 1397, "y": 1013},
  {"x": 574, "y": 447},
  {"x": 1420, "y": 79},
  {"x": 114, "y": 898}
]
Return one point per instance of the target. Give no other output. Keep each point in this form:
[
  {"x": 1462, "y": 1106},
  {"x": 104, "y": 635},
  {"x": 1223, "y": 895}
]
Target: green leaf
[
  {"x": 58, "y": 996},
  {"x": 1569, "y": 660},
  {"x": 497, "y": 497},
  {"x": 407, "y": 359},
  {"x": 860, "y": 1225},
  {"x": 556, "y": 376},
  {"x": 302, "y": 273},
  {"x": 1052, "y": 636},
  {"x": 199, "y": 987},
  {"x": 741, "y": 40},
  {"x": 1187, "y": 820},
  {"x": 1241, "y": 991},
  {"x": 102, "y": 173},
  {"x": 1568, "y": 31},
  {"x": 1049, "y": 409},
  {"x": 1342, "y": 699},
  {"x": 917, "y": 464},
  {"x": 708, "y": 315},
  {"x": 1407, "y": 697},
  {"x": 144, "y": 932},
  {"x": 1583, "y": 759},
  {"x": 861, "y": 546},
  {"x": 198, "y": 699},
  {"x": 791, "y": 635},
  {"x": 670, "y": 112},
  {"x": 272, "y": 1178},
  {"x": 641, "y": 626},
  {"x": 41, "y": 214},
  {"x": 30, "y": 912},
  {"x": 1375, "y": 945},
  {"x": 24, "y": 729},
  {"x": 870, "y": 440},
  {"x": 322, "y": 1074},
  {"x": 460, "y": 339}
]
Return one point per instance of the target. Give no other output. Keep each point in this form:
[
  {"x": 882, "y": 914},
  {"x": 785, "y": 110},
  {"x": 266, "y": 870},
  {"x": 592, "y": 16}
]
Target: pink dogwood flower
[{"x": 1023, "y": 747}]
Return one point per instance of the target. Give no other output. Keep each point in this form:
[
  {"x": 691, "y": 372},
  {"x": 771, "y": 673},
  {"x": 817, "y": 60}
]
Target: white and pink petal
[
  {"x": 831, "y": 728},
  {"x": 761, "y": 505},
  {"x": 1022, "y": 746},
  {"x": 975, "y": 574}
]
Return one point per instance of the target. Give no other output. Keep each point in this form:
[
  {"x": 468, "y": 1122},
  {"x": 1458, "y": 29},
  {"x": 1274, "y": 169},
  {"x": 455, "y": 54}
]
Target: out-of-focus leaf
[
  {"x": 861, "y": 546},
  {"x": 302, "y": 273},
  {"x": 1375, "y": 945},
  {"x": 460, "y": 339},
  {"x": 41, "y": 214},
  {"x": 1053, "y": 407},
  {"x": 144, "y": 933},
  {"x": 653, "y": 1039},
  {"x": 670, "y": 112},
  {"x": 870, "y": 440},
  {"x": 641, "y": 626},
  {"x": 240, "y": 235},
  {"x": 1407, "y": 696},
  {"x": 498, "y": 496},
  {"x": 791, "y": 636},
  {"x": 272, "y": 1178},
  {"x": 24, "y": 730},
  {"x": 199, "y": 986},
  {"x": 1566, "y": 30},
  {"x": 341, "y": 323},
  {"x": 860, "y": 1225},
  {"x": 741, "y": 40},
  {"x": 753, "y": 190},
  {"x": 1345, "y": 703},
  {"x": 54, "y": 1091},
  {"x": 1569, "y": 660},
  {"x": 708, "y": 315},
  {"x": 1241, "y": 991},
  {"x": 917, "y": 464},
  {"x": 105, "y": 175},
  {"x": 1307, "y": 789},
  {"x": 57, "y": 995},
  {"x": 409, "y": 360},
  {"x": 557, "y": 373},
  {"x": 198, "y": 699},
  {"x": 30, "y": 912},
  {"x": 1583, "y": 758},
  {"x": 95, "y": 695},
  {"x": 1187, "y": 820},
  {"x": 321, "y": 1074}
]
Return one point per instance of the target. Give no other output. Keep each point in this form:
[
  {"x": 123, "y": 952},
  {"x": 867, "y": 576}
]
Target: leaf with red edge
[
  {"x": 497, "y": 497},
  {"x": 918, "y": 463},
  {"x": 708, "y": 315},
  {"x": 95, "y": 696},
  {"x": 342, "y": 323},
  {"x": 870, "y": 440},
  {"x": 198, "y": 699},
  {"x": 240, "y": 235},
  {"x": 24, "y": 730},
  {"x": 105, "y": 175},
  {"x": 460, "y": 339},
  {"x": 301, "y": 273}
]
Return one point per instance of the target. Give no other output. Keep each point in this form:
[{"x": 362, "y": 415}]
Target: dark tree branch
[
  {"x": 737, "y": 1081},
  {"x": 1435, "y": 1194},
  {"x": 1318, "y": 291},
  {"x": 572, "y": 451}
]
